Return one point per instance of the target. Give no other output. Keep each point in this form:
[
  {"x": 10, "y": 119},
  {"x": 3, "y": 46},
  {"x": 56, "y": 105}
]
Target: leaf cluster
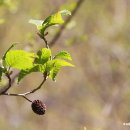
[
  {"x": 42, "y": 61},
  {"x": 28, "y": 62},
  {"x": 54, "y": 19}
]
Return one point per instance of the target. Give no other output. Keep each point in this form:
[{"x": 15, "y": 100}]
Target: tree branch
[
  {"x": 4, "y": 88},
  {"x": 19, "y": 95},
  {"x": 27, "y": 93}
]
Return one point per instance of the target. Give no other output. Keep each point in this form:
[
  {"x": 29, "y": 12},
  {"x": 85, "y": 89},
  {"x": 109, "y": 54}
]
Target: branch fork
[
  {"x": 26, "y": 93},
  {"x": 4, "y": 91}
]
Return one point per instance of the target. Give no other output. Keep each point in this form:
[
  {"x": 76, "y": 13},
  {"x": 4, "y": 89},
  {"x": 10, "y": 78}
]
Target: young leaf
[
  {"x": 43, "y": 56},
  {"x": 41, "y": 63},
  {"x": 56, "y": 18},
  {"x": 19, "y": 59},
  {"x": 52, "y": 67},
  {"x": 55, "y": 67},
  {"x": 53, "y": 19},
  {"x": 54, "y": 72},
  {"x": 49, "y": 65},
  {"x": 61, "y": 63},
  {"x": 63, "y": 55},
  {"x": 38, "y": 23}
]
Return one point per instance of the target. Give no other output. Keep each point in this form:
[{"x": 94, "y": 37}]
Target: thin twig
[
  {"x": 27, "y": 93},
  {"x": 43, "y": 37},
  {"x": 18, "y": 95}
]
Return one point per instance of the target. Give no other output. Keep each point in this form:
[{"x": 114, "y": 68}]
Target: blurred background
[{"x": 96, "y": 93}]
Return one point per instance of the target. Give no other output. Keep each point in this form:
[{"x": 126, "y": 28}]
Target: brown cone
[{"x": 38, "y": 107}]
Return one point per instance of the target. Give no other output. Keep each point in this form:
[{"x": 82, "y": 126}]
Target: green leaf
[
  {"x": 40, "y": 65},
  {"x": 54, "y": 72},
  {"x": 49, "y": 65},
  {"x": 19, "y": 59},
  {"x": 38, "y": 23},
  {"x": 43, "y": 56},
  {"x": 61, "y": 63},
  {"x": 53, "y": 19},
  {"x": 54, "y": 67},
  {"x": 63, "y": 55}
]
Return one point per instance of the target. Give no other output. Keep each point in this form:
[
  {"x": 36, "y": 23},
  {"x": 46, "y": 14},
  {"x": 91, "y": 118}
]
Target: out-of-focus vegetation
[{"x": 96, "y": 93}]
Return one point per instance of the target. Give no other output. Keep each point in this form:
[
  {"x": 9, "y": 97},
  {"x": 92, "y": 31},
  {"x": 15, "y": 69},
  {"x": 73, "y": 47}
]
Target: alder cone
[{"x": 38, "y": 107}]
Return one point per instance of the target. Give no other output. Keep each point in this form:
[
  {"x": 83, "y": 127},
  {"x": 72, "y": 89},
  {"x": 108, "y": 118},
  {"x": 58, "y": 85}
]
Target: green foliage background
[{"x": 96, "y": 93}]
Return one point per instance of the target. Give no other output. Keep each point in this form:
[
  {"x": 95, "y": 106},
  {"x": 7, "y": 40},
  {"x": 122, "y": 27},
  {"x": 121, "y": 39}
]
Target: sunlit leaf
[
  {"x": 43, "y": 56},
  {"x": 54, "y": 72},
  {"x": 61, "y": 63},
  {"x": 19, "y": 59},
  {"x": 38, "y": 23},
  {"x": 54, "y": 67},
  {"x": 63, "y": 55},
  {"x": 53, "y": 19}
]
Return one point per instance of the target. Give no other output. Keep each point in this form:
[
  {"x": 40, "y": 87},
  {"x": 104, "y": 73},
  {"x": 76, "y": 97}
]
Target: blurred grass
[{"x": 94, "y": 94}]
